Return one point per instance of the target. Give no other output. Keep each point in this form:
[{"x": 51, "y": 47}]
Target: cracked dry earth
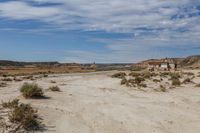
[{"x": 97, "y": 103}]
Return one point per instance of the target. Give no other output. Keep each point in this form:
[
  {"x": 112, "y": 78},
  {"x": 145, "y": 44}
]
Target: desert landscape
[{"x": 109, "y": 102}]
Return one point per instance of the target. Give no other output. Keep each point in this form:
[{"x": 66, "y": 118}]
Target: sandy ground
[{"x": 97, "y": 103}]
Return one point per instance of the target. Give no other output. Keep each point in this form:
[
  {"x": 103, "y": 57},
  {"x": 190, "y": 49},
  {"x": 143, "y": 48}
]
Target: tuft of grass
[
  {"x": 31, "y": 90},
  {"x": 138, "y": 80},
  {"x": 53, "y": 82},
  {"x": 176, "y": 82},
  {"x": 161, "y": 89},
  {"x": 119, "y": 75},
  {"x": 54, "y": 88},
  {"x": 23, "y": 115}
]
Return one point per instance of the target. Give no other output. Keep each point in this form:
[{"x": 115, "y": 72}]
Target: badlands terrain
[{"x": 98, "y": 103}]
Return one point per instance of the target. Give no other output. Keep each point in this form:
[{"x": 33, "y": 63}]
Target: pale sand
[{"x": 97, "y": 103}]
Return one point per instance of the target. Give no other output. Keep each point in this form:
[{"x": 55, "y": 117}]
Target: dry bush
[
  {"x": 187, "y": 80},
  {"x": 3, "y": 84},
  {"x": 134, "y": 74},
  {"x": 174, "y": 76},
  {"x": 45, "y": 75},
  {"x": 138, "y": 80},
  {"x": 142, "y": 85},
  {"x": 156, "y": 80},
  {"x": 54, "y": 88},
  {"x": 17, "y": 79},
  {"x": 23, "y": 115},
  {"x": 7, "y": 79},
  {"x": 119, "y": 75},
  {"x": 53, "y": 82},
  {"x": 161, "y": 89},
  {"x": 164, "y": 74},
  {"x": 124, "y": 81},
  {"x": 198, "y": 85},
  {"x": 176, "y": 82},
  {"x": 31, "y": 90},
  {"x": 189, "y": 73}
]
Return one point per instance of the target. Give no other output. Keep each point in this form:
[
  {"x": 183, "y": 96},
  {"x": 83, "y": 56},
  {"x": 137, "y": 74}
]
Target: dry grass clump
[
  {"x": 119, "y": 75},
  {"x": 161, "y": 89},
  {"x": 54, "y": 88},
  {"x": 189, "y": 73},
  {"x": 31, "y": 90},
  {"x": 174, "y": 76},
  {"x": 3, "y": 84},
  {"x": 134, "y": 74},
  {"x": 164, "y": 74},
  {"x": 7, "y": 79},
  {"x": 53, "y": 82},
  {"x": 176, "y": 82},
  {"x": 156, "y": 80},
  {"x": 23, "y": 116},
  {"x": 198, "y": 85},
  {"x": 187, "y": 80},
  {"x": 124, "y": 81}
]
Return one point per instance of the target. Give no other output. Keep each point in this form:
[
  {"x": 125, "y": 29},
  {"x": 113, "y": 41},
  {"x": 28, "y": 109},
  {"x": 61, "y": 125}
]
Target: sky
[{"x": 101, "y": 31}]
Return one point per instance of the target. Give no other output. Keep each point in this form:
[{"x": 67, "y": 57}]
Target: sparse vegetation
[
  {"x": 54, "y": 88},
  {"x": 7, "y": 79},
  {"x": 119, "y": 75},
  {"x": 174, "y": 76},
  {"x": 198, "y": 85},
  {"x": 53, "y": 82},
  {"x": 187, "y": 80},
  {"x": 156, "y": 80},
  {"x": 22, "y": 115},
  {"x": 124, "y": 81},
  {"x": 161, "y": 89},
  {"x": 134, "y": 74},
  {"x": 31, "y": 90},
  {"x": 3, "y": 84},
  {"x": 176, "y": 82}
]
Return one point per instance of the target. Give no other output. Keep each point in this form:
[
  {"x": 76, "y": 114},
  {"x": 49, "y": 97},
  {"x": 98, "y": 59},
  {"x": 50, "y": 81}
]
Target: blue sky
[{"x": 104, "y": 31}]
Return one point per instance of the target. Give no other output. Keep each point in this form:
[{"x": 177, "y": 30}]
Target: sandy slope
[{"x": 96, "y": 103}]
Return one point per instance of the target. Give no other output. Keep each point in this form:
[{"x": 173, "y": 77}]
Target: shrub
[
  {"x": 176, "y": 82},
  {"x": 54, "y": 88},
  {"x": 45, "y": 75},
  {"x": 134, "y": 68},
  {"x": 134, "y": 74},
  {"x": 124, "y": 81},
  {"x": 156, "y": 80},
  {"x": 53, "y": 82},
  {"x": 187, "y": 80},
  {"x": 7, "y": 79},
  {"x": 3, "y": 84},
  {"x": 189, "y": 73},
  {"x": 31, "y": 90},
  {"x": 119, "y": 75},
  {"x": 174, "y": 76},
  {"x": 161, "y": 89},
  {"x": 138, "y": 80},
  {"x": 198, "y": 85},
  {"x": 23, "y": 115},
  {"x": 142, "y": 85}
]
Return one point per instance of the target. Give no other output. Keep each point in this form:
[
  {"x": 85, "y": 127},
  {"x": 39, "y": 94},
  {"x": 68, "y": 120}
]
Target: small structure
[{"x": 162, "y": 65}]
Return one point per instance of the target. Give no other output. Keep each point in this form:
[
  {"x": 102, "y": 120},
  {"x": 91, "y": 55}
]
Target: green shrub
[
  {"x": 54, "y": 88},
  {"x": 119, "y": 75},
  {"x": 176, "y": 82},
  {"x": 31, "y": 90},
  {"x": 23, "y": 115}
]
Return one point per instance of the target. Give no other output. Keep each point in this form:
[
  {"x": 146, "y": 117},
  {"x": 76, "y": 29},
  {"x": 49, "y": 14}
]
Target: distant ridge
[{"x": 17, "y": 63}]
